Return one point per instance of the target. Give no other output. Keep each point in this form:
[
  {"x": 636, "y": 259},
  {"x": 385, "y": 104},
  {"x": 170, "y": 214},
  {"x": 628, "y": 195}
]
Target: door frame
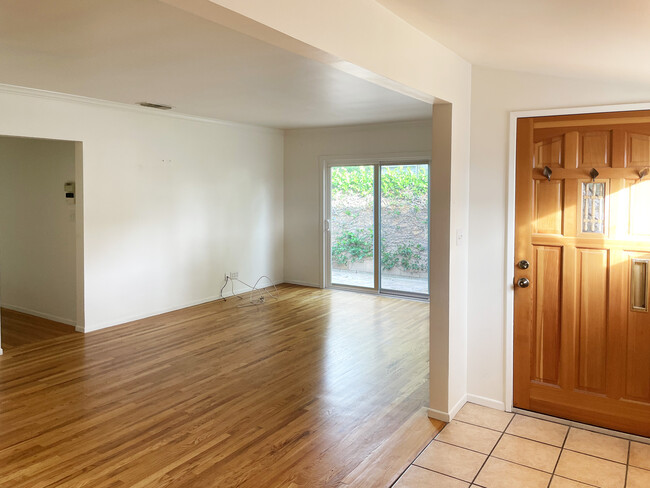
[
  {"x": 327, "y": 162},
  {"x": 79, "y": 324},
  {"x": 510, "y": 223}
]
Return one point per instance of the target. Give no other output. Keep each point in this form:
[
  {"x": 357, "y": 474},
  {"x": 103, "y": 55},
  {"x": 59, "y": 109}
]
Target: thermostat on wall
[{"x": 69, "y": 191}]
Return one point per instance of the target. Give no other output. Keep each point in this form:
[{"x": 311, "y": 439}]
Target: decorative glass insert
[{"x": 593, "y": 207}]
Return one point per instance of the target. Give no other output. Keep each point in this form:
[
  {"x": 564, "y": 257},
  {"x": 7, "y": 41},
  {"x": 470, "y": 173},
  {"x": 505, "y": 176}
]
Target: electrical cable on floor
[
  {"x": 261, "y": 299},
  {"x": 252, "y": 300}
]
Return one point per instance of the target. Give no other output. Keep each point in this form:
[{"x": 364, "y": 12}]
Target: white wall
[
  {"x": 37, "y": 228},
  {"x": 368, "y": 40},
  {"x": 170, "y": 203},
  {"x": 495, "y": 94},
  {"x": 361, "y": 37},
  {"x": 302, "y": 176}
]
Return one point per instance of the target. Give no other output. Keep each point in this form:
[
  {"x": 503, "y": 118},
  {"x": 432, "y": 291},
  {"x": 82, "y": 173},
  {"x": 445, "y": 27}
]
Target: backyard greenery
[
  {"x": 353, "y": 246},
  {"x": 407, "y": 256},
  {"x": 397, "y": 183},
  {"x": 404, "y": 192}
]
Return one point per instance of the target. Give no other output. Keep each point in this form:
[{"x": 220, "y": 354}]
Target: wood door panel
[
  {"x": 638, "y": 150},
  {"x": 637, "y": 385},
  {"x": 591, "y": 353},
  {"x": 549, "y": 153},
  {"x": 590, "y": 408},
  {"x": 639, "y": 207},
  {"x": 595, "y": 149},
  {"x": 548, "y": 207},
  {"x": 547, "y": 320},
  {"x": 582, "y": 327}
]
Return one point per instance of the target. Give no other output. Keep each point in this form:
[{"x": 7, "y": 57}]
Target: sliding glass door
[
  {"x": 352, "y": 236},
  {"x": 404, "y": 224},
  {"x": 376, "y": 227}
]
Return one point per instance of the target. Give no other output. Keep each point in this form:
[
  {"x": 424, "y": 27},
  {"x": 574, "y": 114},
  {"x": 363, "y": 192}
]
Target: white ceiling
[
  {"x": 143, "y": 50},
  {"x": 597, "y": 39}
]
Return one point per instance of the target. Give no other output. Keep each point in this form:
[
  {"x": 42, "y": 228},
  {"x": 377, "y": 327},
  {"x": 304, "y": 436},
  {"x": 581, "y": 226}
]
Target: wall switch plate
[{"x": 460, "y": 236}]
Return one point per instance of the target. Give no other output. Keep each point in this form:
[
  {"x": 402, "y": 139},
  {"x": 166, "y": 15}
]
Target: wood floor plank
[
  {"x": 292, "y": 393},
  {"x": 386, "y": 463},
  {"x": 20, "y": 329}
]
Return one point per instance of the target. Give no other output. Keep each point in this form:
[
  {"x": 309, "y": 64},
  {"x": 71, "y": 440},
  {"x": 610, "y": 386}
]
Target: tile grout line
[
  {"x": 563, "y": 449},
  {"x": 569, "y": 424},
  {"x": 595, "y": 429},
  {"x": 492, "y": 455},
  {"x": 459, "y": 447},
  {"x": 575, "y": 481},
  {"x": 482, "y": 426},
  {"x": 522, "y": 465},
  {"x": 566, "y": 436},
  {"x": 583, "y": 454},
  {"x": 493, "y": 448},
  {"x": 553, "y": 474},
  {"x": 533, "y": 440},
  {"x": 441, "y": 474},
  {"x": 596, "y": 457},
  {"x": 466, "y": 448},
  {"x": 510, "y": 433},
  {"x": 412, "y": 463}
]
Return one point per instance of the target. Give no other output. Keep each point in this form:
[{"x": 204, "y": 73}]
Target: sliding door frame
[{"x": 377, "y": 162}]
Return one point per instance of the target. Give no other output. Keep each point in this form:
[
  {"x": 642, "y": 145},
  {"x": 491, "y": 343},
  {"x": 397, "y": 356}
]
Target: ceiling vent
[{"x": 155, "y": 105}]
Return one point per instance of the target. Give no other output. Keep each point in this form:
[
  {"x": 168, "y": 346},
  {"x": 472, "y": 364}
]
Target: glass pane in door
[
  {"x": 404, "y": 218},
  {"x": 352, "y": 226}
]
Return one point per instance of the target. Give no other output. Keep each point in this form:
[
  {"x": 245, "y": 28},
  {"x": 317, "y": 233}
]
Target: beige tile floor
[{"x": 488, "y": 448}]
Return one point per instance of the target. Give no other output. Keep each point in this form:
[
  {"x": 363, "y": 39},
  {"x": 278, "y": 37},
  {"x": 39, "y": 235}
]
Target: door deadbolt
[
  {"x": 523, "y": 264},
  {"x": 523, "y": 283}
]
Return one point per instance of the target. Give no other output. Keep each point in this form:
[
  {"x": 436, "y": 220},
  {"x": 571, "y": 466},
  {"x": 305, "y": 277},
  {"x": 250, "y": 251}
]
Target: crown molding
[{"x": 125, "y": 107}]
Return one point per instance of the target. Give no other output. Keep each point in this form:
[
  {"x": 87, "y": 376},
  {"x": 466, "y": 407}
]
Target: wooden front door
[{"x": 582, "y": 325}]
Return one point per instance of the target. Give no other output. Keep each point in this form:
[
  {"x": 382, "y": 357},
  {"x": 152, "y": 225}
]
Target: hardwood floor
[
  {"x": 20, "y": 329},
  {"x": 293, "y": 393}
]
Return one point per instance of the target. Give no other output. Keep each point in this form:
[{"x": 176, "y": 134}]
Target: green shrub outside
[
  {"x": 353, "y": 246},
  {"x": 399, "y": 186}
]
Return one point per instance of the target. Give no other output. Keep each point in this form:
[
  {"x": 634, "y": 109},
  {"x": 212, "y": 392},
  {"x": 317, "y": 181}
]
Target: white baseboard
[
  {"x": 79, "y": 328},
  {"x": 457, "y": 407},
  {"x": 131, "y": 318},
  {"x": 0, "y": 352},
  {"x": 486, "y": 402},
  {"x": 438, "y": 415},
  {"x": 42, "y": 315},
  {"x": 447, "y": 416},
  {"x": 302, "y": 283}
]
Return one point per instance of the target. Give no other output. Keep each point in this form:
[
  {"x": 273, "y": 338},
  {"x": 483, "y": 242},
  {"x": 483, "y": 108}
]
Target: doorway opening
[
  {"x": 40, "y": 240},
  {"x": 376, "y": 235}
]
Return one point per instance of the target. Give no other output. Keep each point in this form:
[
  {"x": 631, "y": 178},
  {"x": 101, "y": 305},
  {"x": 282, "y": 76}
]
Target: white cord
[
  {"x": 232, "y": 287},
  {"x": 254, "y": 288}
]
